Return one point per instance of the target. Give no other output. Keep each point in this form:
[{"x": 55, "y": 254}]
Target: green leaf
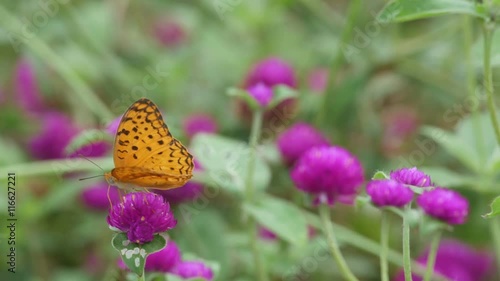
[
  {"x": 225, "y": 162},
  {"x": 495, "y": 208},
  {"x": 133, "y": 254},
  {"x": 200, "y": 231},
  {"x": 379, "y": 175},
  {"x": 406, "y": 10},
  {"x": 493, "y": 163},
  {"x": 454, "y": 145},
  {"x": 281, "y": 93},
  {"x": 444, "y": 177},
  {"x": 245, "y": 96},
  {"x": 281, "y": 217},
  {"x": 85, "y": 138}
]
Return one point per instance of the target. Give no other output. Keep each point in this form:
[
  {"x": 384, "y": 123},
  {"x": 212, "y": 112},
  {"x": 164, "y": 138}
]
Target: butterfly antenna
[
  {"x": 83, "y": 156},
  {"x": 90, "y": 177}
]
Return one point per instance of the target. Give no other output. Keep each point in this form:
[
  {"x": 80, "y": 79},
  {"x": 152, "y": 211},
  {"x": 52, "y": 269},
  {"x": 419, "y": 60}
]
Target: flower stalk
[
  {"x": 324, "y": 212},
  {"x": 384, "y": 244},
  {"x": 431, "y": 260},
  {"x": 406, "y": 245},
  {"x": 249, "y": 189}
]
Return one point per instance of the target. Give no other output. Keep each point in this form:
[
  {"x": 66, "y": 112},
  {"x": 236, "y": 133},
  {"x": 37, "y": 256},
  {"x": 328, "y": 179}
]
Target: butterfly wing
[{"x": 145, "y": 152}]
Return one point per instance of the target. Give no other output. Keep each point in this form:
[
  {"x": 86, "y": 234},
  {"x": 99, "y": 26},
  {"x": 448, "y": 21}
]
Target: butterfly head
[{"x": 110, "y": 179}]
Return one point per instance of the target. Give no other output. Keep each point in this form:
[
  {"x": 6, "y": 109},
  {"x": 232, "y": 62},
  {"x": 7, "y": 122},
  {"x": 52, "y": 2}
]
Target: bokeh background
[{"x": 380, "y": 89}]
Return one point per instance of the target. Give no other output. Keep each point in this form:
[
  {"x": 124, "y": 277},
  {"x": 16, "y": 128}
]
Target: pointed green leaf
[
  {"x": 495, "y": 208},
  {"x": 281, "y": 217},
  {"x": 444, "y": 177},
  {"x": 133, "y": 254},
  {"x": 493, "y": 164},
  {"x": 245, "y": 96},
  {"x": 379, "y": 175},
  {"x": 406, "y": 10},
  {"x": 454, "y": 145},
  {"x": 225, "y": 162},
  {"x": 281, "y": 93}
]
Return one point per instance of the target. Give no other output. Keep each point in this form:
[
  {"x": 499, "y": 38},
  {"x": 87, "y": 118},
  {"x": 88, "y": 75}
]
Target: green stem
[
  {"x": 384, "y": 243},
  {"x": 57, "y": 167},
  {"x": 363, "y": 243},
  {"x": 471, "y": 82},
  {"x": 45, "y": 53},
  {"x": 324, "y": 213},
  {"x": 352, "y": 15},
  {"x": 495, "y": 236},
  {"x": 431, "y": 259},
  {"x": 141, "y": 277},
  {"x": 252, "y": 224},
  {"x": 488, "y": 30},
  {"x": 406, "y": 246}
]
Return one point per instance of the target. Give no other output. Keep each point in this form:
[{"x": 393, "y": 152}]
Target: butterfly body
[{"x": 146, "y": 155}]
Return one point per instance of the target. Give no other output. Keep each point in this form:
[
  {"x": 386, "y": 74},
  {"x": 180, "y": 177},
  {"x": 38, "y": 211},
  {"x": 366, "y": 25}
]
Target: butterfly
[{"x": 146, "y": 154}]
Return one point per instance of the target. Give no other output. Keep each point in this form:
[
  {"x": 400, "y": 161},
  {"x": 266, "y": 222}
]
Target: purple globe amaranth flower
[
  {"x": 57, "y": 132},
  {"x": 399, "y": 124},
  {"x": 386, "y": 193},
  {"x": 164, "y": 260},
  {"x": 26, "y": 88},
  {"x": 411, "y": 176},
  {"x": 297, "y": 139},
  {"x": 199, "y": 123},
  {"x": 112, "y": 127},
  {"x": 266, "y": 234},
  {"x": 169, "y": 33},
  {"x": 95, "y": 149},
  {"x": 96, "y": 196},
  {"x": 444, "y": 204},
  {"x": 261, "y": 93},
  {"x": 141, "y": 215},
  {"x": 187, "y": 192},
  {"x": 192, "y": 269},
  {"x": 456, "y": 261},
  {"x": 318, "y": 80},
  {"x": 328, "y": 172},
  {"x": 271, "y": 72}
]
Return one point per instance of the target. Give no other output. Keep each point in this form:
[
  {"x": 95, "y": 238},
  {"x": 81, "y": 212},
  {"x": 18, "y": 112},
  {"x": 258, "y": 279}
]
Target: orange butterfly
[{"x": 146, "y": 154}]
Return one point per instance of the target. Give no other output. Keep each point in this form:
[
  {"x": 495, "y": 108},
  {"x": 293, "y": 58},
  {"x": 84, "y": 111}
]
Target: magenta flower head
[
  {"x": 57, "y": 132},
  {"x": 444, "y": 204},
  {"x": 456, "y": 261},
  {"x": 328, "y": 173},
  {"x": 318, "y": 80},
  {"x": 112, "y": 127},
  {"x": 141, "y": 215},
  {"x": 193, "y": 269},
  {"x": 94, "y": 149},
  {"x": 26, "y": 88},
  {"x": 199, "y": 123},
  {"x": 411, "y": 176},
  {"x": 169, "y": 33},
  {"x": 300, "y": 137},
  {"x": 266, "y": 234},
  {"x": 261, "y": 93},
  {"x": 271, "y": 72},
  {"x": 384, "y": 193},
  {"x": 187, "y": 192},
  {"x": 164, "y": 260},
  {"x": 96, "y": 196}
]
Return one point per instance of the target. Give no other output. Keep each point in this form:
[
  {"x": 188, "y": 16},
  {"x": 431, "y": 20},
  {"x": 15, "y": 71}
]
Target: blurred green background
[{"x": 386, "y": 81}]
